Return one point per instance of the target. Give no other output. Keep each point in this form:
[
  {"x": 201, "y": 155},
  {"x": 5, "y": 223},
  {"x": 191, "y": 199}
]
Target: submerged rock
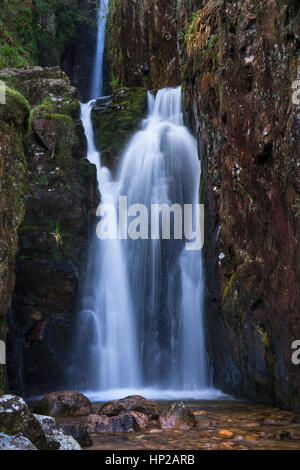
[
  {"x": 131, "y": 403},
  {"x": 64, "y": 403},
  {"x": 55, "y": 435},
  {"x": 124, "y": 422},
  {"x": 178, "y": 416},
  {"x": 17, "y": 442},
  {"x": 224, "y": 433},
  {"x": 79, "y": 432},
  {"x": 15, "y": 418}
]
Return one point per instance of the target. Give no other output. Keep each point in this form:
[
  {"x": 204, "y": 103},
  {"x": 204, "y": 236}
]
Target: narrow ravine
[{"x": 141, "y": 319}]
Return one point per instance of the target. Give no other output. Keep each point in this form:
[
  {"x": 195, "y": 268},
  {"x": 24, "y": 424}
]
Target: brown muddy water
[{"x": 224, "y": 425}]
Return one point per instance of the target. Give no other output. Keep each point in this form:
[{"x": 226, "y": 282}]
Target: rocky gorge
[{"x": 237, "y": 63}]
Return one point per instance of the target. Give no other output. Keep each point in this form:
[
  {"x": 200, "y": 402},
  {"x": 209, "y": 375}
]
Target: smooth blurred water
[
  {"x": 141, "y": 321},
  {"x": 106, "y": 321},
  {"x": 97, "y": 76},
  {"x": 161, "y": 166},
  {"x": 140, "y": 324}
]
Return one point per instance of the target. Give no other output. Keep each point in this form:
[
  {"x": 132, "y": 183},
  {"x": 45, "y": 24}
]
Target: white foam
[{"x": 157, "y": 394}]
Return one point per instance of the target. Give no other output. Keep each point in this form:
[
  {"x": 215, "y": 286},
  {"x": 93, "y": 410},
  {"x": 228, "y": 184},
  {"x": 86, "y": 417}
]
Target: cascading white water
[
  {"x": 140, "y": 328},
  {"x": 141, "y": 319},
  {"x": 161, "y": 166},
  {"x": 107, "y": 312}
]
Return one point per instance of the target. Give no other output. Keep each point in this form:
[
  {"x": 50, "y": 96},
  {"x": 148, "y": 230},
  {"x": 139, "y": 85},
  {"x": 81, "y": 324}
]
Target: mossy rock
[
  {"x": 114, "y": 125},
  {"x": 16, "y": 108},
  {"x": 65, "y": 106}
]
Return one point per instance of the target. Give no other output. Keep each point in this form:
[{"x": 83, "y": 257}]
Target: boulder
[
  {"x": 142, "y": 419},
  {"x": 17, "y": 442},
  {"x": 64, "y": 403},
  {"x": 79, "y": 432},
  {"x": 56, "y": 437},
  {"x": 132, "y": 403},
  {"x": 15, "y": 418},
  {"x": 178, "y": 416},
  {"x": 123, "y": 423}
]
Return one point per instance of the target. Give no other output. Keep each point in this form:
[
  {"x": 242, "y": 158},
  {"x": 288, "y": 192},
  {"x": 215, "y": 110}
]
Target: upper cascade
[{"x": 97, "y": 77}]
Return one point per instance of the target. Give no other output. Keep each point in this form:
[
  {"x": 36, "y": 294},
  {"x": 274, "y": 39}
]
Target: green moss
[
  {"x": 192, "y": 26},
  {"x": 38, "y": 31},
  {"x": 115, "y": 124},
  {"x": 16, "y": 108},
  {"x": 213, "y": 40},
  {"x": 228, "y": 286},
  {"x": 67, "y": 139},
  {"x": 59, "y": 117},
  {"x": 65, "y": 106}
]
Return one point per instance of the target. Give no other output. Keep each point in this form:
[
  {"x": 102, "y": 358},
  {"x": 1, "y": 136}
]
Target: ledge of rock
[
  {"x": 133, "y": 403},
  {"x": 64, "y": 403}
]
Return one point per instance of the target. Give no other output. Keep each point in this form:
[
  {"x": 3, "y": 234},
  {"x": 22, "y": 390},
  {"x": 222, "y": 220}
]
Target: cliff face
[
  {"x": 239, "y": 61},
  {"x": 60, "y": 203},
  {"x": 14, "y": 117},
  {"x": 142, "y": 43}
]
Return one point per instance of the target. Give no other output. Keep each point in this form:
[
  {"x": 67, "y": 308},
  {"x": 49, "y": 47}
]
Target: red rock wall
[
  {"x": 240, "y": 60},
  {"x": 142, "y": 43}
]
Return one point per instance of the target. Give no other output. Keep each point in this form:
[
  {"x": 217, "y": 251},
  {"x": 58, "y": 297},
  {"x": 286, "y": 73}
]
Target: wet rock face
[
  {"x": 14, "y": 116},
  {"x": 239, "y": 62},
  {"x": 142, "y": 43},
  {"x": 115, "y": 119},
  {"x": 60, "y": 204},
  {"x": 78, "y": 58},
  {"x": 65, "y": 403}
]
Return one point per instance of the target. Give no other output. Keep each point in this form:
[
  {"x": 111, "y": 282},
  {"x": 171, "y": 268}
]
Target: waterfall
[
  {"x": 161, "y": 166},
  {"x": 140, "y": 326},
  {"x": 97, "y": 78}
]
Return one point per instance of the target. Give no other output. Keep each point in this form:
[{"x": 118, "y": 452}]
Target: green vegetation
[
  {"x": 192, "y": 25},
  {"x": 38, "y": 31},
  {"x": 16, "y": 109},
  {"x": 213, "y": 40},
  {"x": 118, "y": 121},
  {"x": 65, "y": 107}
]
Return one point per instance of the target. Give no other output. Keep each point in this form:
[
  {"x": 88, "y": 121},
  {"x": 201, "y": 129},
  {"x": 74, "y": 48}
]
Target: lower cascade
[{"x": 141, "y": 319}]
